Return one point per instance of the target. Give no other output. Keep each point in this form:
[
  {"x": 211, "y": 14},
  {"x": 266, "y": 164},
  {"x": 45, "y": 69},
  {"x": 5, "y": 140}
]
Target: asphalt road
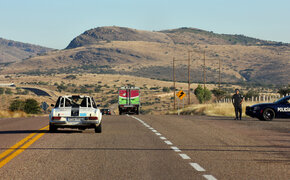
[{"x": 147, "y": 147}]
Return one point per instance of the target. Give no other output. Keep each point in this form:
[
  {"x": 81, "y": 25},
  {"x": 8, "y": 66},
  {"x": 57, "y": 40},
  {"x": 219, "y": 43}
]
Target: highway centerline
[{"x": 20, "y": 146}]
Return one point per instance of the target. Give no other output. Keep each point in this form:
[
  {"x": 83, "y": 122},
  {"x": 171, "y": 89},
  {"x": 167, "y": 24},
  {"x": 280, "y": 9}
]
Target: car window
[
  {"x": 94, "y": 103},
  {"x": 61, "y": 104},
  {"x": 57, "y": 102},
  {"x": 75, "y": 101},
  {"x": 89, "y": 102}
]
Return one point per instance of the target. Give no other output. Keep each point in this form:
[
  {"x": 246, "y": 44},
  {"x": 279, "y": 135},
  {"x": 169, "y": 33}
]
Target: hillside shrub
[
  {"x": 284, "y": 91},
  {"x": 1, "y": 90},
  {"x": 219, "y": 93},
  {"x": 166, "y": 89},
  {"x": 251, "y": 93},
  {"x": 30, "y": 106},
  {"x": 8, "y": 91},
  {"x": 202, "y": 94}
]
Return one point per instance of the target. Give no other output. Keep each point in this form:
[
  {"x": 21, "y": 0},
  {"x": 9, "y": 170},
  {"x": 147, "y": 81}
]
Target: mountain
[
  {"x": 114, "y": 33},
  {"x": 120, "y": 50},
  {"x": 14, "y": 51}
]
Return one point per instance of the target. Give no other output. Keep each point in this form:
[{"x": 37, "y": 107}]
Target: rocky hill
[
  {"x": 113, "y": 33},
  {"x": 119, "y": 50},
  {"x": 13, "y": 51}
]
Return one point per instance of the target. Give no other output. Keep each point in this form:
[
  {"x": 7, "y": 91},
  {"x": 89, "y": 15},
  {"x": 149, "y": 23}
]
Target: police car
[
  {"x": 75, "y": 112},
  {"x": 269, "y": 111}
]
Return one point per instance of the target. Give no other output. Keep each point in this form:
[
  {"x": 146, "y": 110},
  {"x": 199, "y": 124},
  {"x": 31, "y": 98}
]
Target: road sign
[
  {"x": 44, "y": 106},
  {"x": 181, "y": 94}
]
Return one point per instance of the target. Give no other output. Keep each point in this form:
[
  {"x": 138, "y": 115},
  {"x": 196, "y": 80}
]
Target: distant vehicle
[
  {"x": 106, "y": 112},
  {"x": 129, "y": 100},
  {"x": 75, "y": 112},
  {"x": 269, "y": 111}
]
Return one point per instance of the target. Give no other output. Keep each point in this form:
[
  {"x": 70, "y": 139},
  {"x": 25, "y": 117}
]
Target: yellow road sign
[{"x": 181, "y": 94}]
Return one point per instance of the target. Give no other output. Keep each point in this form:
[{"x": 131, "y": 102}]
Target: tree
[
  {"x": 166, "y": 89},
  {"x": 31, "y": 106},
  {"x": 251, "y": 93},
  {"x": 202, "y": 94},
  {"x": 284, "y": 91},
  {"x": 1, "y": 90},
  {"x": 218, "y": 93},
  {"x": 8, "y": 91},
  {"x": 17, "y": 105}
]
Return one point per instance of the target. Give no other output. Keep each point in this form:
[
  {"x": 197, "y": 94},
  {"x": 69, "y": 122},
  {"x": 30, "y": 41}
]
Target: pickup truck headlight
[{"x": 256, "y": 108}]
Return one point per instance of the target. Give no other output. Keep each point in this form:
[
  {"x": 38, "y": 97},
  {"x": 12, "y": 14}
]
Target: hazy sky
[{"x": 54, "y": 23}]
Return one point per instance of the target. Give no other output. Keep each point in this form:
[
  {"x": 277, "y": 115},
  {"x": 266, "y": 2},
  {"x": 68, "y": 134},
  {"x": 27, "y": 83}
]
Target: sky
[{"x": 54, "y": 23}]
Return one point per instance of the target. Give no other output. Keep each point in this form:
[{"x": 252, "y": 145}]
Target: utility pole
[
  {"x": 219, "y": 74},
  {"x": 174, "y": 83},
  {"x": 188, "y": 77},
  {"x": 204, "y": 78}
]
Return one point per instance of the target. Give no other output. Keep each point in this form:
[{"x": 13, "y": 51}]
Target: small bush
[
  {"x": 202, "y": 94},
  {"x": 30, "y": 106},
  {"x": 166, "y": 89},
  {"x": 1, "y": 90}
]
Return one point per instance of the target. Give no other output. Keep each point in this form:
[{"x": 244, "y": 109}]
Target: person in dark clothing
[{"x": 237, "y": 100}]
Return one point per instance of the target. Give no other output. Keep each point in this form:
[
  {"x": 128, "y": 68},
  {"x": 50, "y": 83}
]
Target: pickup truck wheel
[
  {"x": 52, "y": 128},
  {"x": 98, "y": 129},
  {"x": 268, "y": 114}
]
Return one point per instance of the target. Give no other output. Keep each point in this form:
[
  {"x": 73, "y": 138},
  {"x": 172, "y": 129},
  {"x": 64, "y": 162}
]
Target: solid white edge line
[
  {"x": 184, "y": 156},
  {"x": 197, "y": 167},
  {"x": 168, "y": 142},
  {"x": 151, "y": 128},
  {"x": 163, "y": 138},
  {"x": 209, "y": 177},
  {"x": 175, "y": 149}
]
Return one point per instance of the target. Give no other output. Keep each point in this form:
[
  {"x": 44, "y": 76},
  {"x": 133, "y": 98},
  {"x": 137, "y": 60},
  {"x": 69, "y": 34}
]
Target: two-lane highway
[{"x": 147, "y": 147}]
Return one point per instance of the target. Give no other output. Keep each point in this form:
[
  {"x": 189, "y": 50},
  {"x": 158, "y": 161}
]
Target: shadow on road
[{"x": 38, "y": 131}]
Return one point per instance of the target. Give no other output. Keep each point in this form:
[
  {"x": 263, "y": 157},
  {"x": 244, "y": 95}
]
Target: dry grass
[
  {"x": 12, "y": 114},
  {"x": 220, "y": 109}
]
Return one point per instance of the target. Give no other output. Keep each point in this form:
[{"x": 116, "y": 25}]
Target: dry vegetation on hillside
[{"x": 115, "y": 50}]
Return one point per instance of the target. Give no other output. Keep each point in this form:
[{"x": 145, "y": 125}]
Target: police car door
[{"x": 283, "y": 109}]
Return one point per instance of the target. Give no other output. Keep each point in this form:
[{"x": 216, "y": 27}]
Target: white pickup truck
[{"x": 79, "y": 112}]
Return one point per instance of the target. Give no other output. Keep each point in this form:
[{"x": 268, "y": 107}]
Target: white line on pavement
[
  {"x": 184, "y": 156},
  {"x": 209, "y": 177},
  {"x": 168, "y": 142},
  {"x": 175, "y": 149},
  {"x": 197, "y": 167}
]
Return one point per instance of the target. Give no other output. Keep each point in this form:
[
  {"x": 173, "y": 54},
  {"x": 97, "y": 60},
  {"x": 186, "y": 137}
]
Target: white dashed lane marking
[
  {"x": 196, "y": 166},
  {"x": 168, "y": 142},
  {"x": 175, "y": 149},
  {"x": 209, "y": 177},
  {"x": 184, "y": 156}
]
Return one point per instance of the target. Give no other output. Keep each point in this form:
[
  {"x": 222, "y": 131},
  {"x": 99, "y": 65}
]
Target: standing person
[{"x": 237, "y": 100}]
